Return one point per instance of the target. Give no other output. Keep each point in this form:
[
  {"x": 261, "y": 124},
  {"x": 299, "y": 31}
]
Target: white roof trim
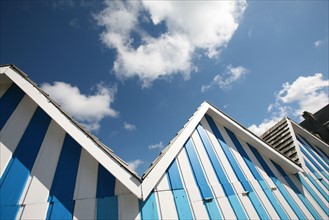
[
  {"x": 111, "y": 164},
  {"x": 309, "y": 136}
]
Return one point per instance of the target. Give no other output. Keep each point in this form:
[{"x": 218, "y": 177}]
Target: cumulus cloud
[
  {"x": 191, "y": 26},
  {"x": 135, "y": 164},
  {"x": 306, "y": 93},
  {"x": 225, "y": 81},
  {"x": 128, "y": 126},
  {"x": 88, "y": 109},
  {"x": 159, "y": 146},
  {"x": 317, "y": 43}
]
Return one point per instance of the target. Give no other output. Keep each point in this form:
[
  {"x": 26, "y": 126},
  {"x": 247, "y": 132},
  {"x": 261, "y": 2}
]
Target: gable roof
[
  {"x": 104, "y": 155},
  {"x": 141, "y": 187}
]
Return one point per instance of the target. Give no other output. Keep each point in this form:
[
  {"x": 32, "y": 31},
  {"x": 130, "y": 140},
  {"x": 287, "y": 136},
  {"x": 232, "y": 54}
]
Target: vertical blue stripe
[
  {"x": 296, "y": 190},
  {"x": 197, "y": 171},
  {"x": 19, "y": 168},
  {"x": 200, "y": 178},
  {"x": 174, "y": 178},
  {"x": 107, "y": 208},
  {"x": 313, "y": 194},
  {"x": 307, "y": 146},
  {"x": 281, "y": 188},
  {"x": 105, "y": 183},
  {"x": 220, "y": 174},
  {"x": 237, "y": 170},
  {"x": 278, "y": 208},
  {"x": 316, "y": 149},
  {"x": 9, "y": 102},
  {"x": 180, "y": 197},
  {"x": 62, "y": 189},
  {"x": 107, "y": 202},
  {"x": 325, "y": 156},
  {"x": 318, "y": 187},
  {"x": 149, "y": 208}
]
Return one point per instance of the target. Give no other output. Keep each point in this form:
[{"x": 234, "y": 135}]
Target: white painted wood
[
  {"x": 324, "y": 179},
  {"x": 85, "y": 209},
  {"x": 86, "y": 182},
  {"x": 315, "y": 159},
  {"x": 190, "y": 186},
  {"x": 316, "y": 179},
  {"x": 163, "y": 183},
  {"x": 225, "y": 207},
  {"x": 13, "y": 130},
  {"x": 131, "y": 201},
  {"x": 35, "y": 211},
  {"x": 110, "y": 163},
  {"x": 43, "y": 171},
  {"x": 167, "y": 207}
]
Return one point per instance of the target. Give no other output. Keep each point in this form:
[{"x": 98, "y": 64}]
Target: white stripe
[
  {"x": 167, "y": 207},
  {"x": 33, "y": 211},
  {"x": 43, "y": 171},
  {"x": 315, "y": 159},
  {"x": 195, "y": 199},
  {"x": 318, "y": 172},
  {"x": 14, "y": 129},
  {"x": 163, "y": 184},
  {"x": 85, "y": 209},
  {"x": 126, "y": 199},
  {"x": 86, "y": 182}
]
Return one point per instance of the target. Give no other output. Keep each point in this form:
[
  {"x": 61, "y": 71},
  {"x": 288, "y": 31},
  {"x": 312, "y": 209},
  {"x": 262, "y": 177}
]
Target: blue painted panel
[
  {"x": 60, "y": 210},
  {"x": 316, "y": 149},
  {"x": 8, "y": 212},
  {"x": 316, "y": 156},
  {"x": 9, "y": 102},
  {"x": 19, "y": 168},
  {"x": 107, "y": 208},
  {"x": 326, "y": 156},
  {"x": 313, "y": 194},
  {"x": 62, "y": 189},
  {"x": 197, "y": 171},
  {"x": 316, "y": 174},
  {"x": 182, "y": 204},
  {"x": 281, "y": 188},
  {"x": 212, "y": 210},
  {"x": 317, "y": 186},
  {"x": 222, "y": 178},
  {"x": 174, "y": 178},
  {"x": 296, "y": 190},
  {"x": 105, "y": 183},
  {"x": 149, "y": 208}
]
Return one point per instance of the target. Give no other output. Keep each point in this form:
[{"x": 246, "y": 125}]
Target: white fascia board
[
  {"x": 159, "y": 169},
  {"x": 3, "y": 69},
  {"x": 309, "y": 136},
  {"x": 89, "y": 145},
  {"x": 252, "y": 139}
]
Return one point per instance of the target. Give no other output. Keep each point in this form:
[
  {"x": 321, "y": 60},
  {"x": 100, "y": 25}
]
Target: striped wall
[
  {"x": 217, "y": 175},
  {"x": 46, "y": 174}
]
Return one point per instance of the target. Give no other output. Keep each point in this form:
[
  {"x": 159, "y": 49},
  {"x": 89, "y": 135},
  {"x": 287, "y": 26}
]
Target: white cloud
[
  {"x": 74, "y": 23},
  {"x": 159, "y": 146},
  {"x": 317, "y": 43},
  {"x": 225, "y": 81},
  {"x": 135, "y": 164},
  {"x": 128, "y": 126},
  {"x": 87, "y": 109},
  {"x": 306, "y": 93},
  {"x": 192, "y": 26}
]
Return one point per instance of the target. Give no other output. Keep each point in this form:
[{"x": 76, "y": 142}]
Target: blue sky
[{"x": 133, "y": 72}]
